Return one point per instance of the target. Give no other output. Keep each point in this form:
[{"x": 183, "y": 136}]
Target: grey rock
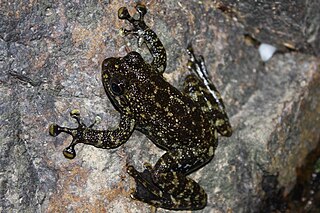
[{"x": 50, "y": 56}]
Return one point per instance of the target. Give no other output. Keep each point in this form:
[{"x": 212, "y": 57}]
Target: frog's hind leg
[
  {"x": 166, "y": 185},
  {"x": 199, "y": 87}
]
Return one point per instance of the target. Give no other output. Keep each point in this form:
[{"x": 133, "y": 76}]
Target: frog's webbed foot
[
  {"x": 145, "y": 35},
  {"x": 145, "y": 190},
  {"x": 76, "y": 133}
]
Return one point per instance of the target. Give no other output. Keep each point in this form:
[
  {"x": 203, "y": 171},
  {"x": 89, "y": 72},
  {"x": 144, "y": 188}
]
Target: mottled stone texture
[{"x": 50, "y": 55}]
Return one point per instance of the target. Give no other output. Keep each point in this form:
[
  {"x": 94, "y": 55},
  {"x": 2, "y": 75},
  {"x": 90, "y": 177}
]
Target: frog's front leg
[
  {"x": 199, "y": 87},
  {"x": 166, "y": 185},
  {"x": 105, "y": 139},
  {"x": 146, "y": 35}
]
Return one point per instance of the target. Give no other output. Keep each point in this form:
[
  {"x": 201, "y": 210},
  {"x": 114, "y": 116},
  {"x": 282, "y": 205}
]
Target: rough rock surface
[{"x": 50, "y": 56}]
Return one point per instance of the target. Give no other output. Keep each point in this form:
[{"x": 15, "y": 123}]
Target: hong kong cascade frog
[{"x": 183, "y": 123}]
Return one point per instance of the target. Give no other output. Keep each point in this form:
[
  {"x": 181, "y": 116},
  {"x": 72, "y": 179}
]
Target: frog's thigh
[
  {"x": 214, "y": 108},
  {"x": 194, "y": 88},
  {"x": 198, "y": 92},
  {"x": 170, "y": 172}
]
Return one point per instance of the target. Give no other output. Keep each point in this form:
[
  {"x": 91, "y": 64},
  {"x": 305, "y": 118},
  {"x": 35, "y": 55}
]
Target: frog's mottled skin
[{"x": 183, "y": 123}]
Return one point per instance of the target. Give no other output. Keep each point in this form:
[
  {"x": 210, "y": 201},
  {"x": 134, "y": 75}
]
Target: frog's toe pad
[
  {"x": 147, "y": 166},
  {"x": 69, "y": 152},
  {"x": 54, "y": 130},
  {"x": 123, "y": 13}
]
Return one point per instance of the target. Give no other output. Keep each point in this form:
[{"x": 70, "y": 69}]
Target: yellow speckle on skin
[
  {"x": 219, "y": 122},
  {"x": 209, "y": 105},
  {"x": 160, "y": 134},
  {"x": 100, "y": 136},
  {"x": 211, "y": 151},
  {"x": 112, "y": 138},
  {"x": 117, "y": 99}
]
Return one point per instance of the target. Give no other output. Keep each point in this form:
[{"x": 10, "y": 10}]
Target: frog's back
[{"x": 168, "y": 117}]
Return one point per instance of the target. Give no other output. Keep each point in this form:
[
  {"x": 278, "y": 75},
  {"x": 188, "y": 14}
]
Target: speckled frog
[{"x": 183, "y": 123}]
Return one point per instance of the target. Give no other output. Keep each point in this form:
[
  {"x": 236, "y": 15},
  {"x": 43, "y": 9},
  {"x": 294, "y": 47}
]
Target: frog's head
[{"x": 122, "y": 77}]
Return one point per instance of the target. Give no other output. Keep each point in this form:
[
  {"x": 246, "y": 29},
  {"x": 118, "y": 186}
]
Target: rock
[{"x": 50, "y": 58}]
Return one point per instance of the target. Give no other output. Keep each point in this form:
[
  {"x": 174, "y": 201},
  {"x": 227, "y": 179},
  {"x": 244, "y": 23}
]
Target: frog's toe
[
  {"x": 69, "y": 152},
  {"x": 131, "y": 170},
  {"x": 123, "y": 13},
  {"x": 147, "y": 166},
  {"x": 140, "y": 189},
  {"x": 144, "y": 192},
  {"x": 145, "y": 177},
  {"x": 142, "y": 10},
  {"x": 54, "y": 130}
]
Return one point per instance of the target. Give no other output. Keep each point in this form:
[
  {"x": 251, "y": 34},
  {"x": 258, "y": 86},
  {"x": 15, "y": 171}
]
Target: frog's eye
[{"x": 116, "y": 86}]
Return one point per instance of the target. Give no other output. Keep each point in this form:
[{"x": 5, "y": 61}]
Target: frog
[{"x": 184, "y": 123}]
